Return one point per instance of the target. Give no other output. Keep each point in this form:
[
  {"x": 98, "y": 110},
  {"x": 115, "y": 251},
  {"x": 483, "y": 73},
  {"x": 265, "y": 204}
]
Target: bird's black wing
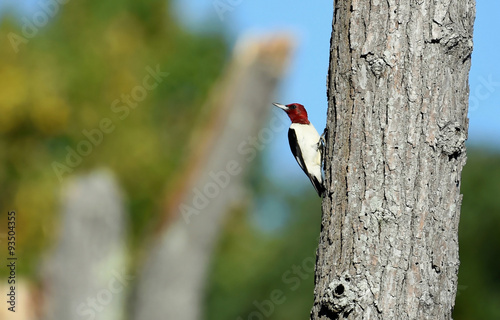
[
  {"x": 317, "y": 185},
  {"x": 294, "y": 146}
]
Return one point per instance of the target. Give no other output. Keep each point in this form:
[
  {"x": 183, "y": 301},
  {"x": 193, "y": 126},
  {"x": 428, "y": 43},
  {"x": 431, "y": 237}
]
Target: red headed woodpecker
[{"x": 305, "y": 143}]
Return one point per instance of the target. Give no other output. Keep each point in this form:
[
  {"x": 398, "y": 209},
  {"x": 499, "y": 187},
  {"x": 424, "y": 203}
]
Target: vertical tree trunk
[
  {"x": 86, "y": 276},
  {"x": 397, "y": 120}
]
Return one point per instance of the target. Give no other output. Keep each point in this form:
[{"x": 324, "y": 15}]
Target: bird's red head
[{"x": 295, "y": 111}]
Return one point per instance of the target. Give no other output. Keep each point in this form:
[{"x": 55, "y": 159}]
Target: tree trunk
[
  {"x": 86, "y": 276},
  {"x": 397, "y": 121}
]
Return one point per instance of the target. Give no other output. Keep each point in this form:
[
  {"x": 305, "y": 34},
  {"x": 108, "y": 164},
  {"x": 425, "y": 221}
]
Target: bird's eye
[{"x": 293, "y": 106}]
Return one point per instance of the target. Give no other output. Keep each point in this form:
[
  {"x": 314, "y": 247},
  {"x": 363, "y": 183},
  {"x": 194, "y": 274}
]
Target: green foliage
[
  {"x": 65, "y": 80},
  {"x": 479, "y": 278}
]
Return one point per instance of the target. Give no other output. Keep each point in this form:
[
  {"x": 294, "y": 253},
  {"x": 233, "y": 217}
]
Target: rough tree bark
[{"x": 397, "y": 120}]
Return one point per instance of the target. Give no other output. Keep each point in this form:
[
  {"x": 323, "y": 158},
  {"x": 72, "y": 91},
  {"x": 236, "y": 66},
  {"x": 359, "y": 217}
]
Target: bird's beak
[{"x": 281, "y": 106}]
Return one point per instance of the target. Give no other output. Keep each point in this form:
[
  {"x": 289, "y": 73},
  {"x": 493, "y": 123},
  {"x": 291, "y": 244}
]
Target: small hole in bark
[
  {"x": 339, "y": 290},
  {"x": 454, "y": 155},
  {"x": 326, "y": 312},
  {"x": 436, "y": 268}
]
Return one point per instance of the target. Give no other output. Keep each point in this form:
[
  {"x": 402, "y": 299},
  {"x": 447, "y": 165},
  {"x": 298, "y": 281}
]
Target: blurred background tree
[{"x": 65, "y": 79}]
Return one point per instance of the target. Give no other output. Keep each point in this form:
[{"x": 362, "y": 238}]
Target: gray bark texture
[{"x": 397, "y": 123}]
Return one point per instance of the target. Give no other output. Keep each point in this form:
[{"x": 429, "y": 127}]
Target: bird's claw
[{"x": 322, "y": 139}]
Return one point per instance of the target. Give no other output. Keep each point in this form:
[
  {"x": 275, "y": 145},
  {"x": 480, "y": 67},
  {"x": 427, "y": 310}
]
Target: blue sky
[{"x": 306, "y": 80}]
